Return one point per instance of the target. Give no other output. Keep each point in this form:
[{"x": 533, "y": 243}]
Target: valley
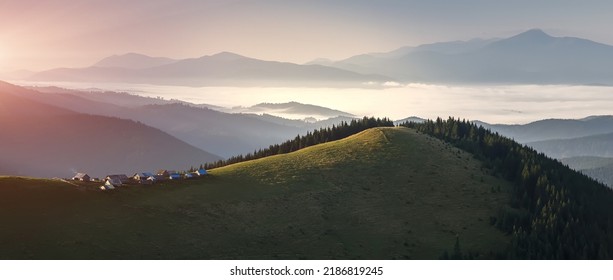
[{"x": 497, "y": 184}]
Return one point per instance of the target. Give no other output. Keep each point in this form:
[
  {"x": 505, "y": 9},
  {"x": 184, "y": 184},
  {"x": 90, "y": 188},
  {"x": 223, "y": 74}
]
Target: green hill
[
  {"x": 555, "y": 212},
  {"x": 385, "y": 193}
]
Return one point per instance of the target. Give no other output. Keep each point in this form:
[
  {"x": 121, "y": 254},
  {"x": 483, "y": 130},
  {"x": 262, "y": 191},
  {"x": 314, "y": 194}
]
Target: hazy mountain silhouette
[
  {"x": 105, "y": 98},
  {"x": 43, "y": 140},
  {"x": 220, "y": 133},
  {"x": 599, "y": 168},
  {"x": 551, "y": 129},
  {"x": 530, "y": 57},
  {"x": 595, "y": 145},
  {"x": 223, "y": 69},
  {"x": 16, "y": 75},
  {"x": 229, "y": 68},
  {"x": 380, "y": 62},
  {"x": 410, "y": 119},
  {"x": 575, "y": 142},
  {"x": 133, "y": 61},
  {"x": 90, "y": 74},
  {"x": 292, "y": 108}
]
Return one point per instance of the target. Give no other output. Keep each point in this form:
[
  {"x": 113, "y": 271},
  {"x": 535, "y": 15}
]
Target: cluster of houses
[{"x": 144, "y": 178}]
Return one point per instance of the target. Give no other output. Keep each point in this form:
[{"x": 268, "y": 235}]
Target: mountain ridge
[
  {"x": 530, "y": 57},
  {"x": 552, "y": 129},
  {"x": 132, "y": 61},
  {"x": 224, "y": 68},
  {"x": 42, "y": 140},
  {"x": 592, "y": 145},
  {"x": 218, "y": 131}
]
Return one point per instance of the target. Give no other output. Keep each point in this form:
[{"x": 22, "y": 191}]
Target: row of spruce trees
[
  {"x": 554, "y": 212},
  {"x": 319, "y": 136}
]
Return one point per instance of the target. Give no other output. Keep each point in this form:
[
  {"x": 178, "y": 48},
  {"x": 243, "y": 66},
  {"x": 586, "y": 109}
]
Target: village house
[
  {"x": 113, "y": 180},
  {"x": 168, "y": 174},
  {"x": 107, "y": 186},
  {"x": 201, "y": 172},
  {"x": 142, "y": 176},
  {"x": 124, "y": 178},
  {"x": 163, "y": 172},
  {"x": 118, "y": 180},
  {"x": 81, "y": 177}
]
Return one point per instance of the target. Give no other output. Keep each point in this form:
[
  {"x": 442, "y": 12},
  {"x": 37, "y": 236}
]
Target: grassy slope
[{"x": 382, "y": 194}]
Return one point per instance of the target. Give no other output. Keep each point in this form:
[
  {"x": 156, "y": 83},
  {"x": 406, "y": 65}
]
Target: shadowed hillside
[
  {"x": 217, "y": 132},
  {"x": 42, "y": 140},
  {"x": 385, "y": 193},
  {"x": 555, "y": 212}
]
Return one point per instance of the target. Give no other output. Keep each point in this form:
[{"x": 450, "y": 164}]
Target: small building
[
  {"x": 113, "y": 181},
  {"x": 202, "y": 172},
  {"x": 142, "y": 176},
  {"x": 163, "y": 172},
  {"x": 124, "y": 178},
  {"x": 118, "y": 180},
  {"x": 82, "y": 177},
  {"x": 188, "y": 175},
  {"x": 107, "y": 186},
  {"x": 175, "y": 176}
]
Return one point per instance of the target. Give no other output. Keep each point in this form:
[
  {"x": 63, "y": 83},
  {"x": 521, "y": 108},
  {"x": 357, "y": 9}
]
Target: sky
[{"x": 39, "y": 35}]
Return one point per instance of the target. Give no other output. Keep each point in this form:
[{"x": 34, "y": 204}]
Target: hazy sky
[{"x": 38, "y": 35}]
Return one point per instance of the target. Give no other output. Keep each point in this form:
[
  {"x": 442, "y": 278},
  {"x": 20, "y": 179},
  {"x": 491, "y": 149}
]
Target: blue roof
[
  {"x": 175, "y": 176},
  {"x": 202, "y": 171},
  {"x": 147, "y": 174}
]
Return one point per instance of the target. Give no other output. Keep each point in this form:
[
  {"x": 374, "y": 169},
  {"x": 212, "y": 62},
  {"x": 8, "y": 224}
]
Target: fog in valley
[{"x": 507, "y": 104}]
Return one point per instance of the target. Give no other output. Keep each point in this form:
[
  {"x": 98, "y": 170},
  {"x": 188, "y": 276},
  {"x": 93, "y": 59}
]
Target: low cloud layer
[{"x": 494, "y": 104}]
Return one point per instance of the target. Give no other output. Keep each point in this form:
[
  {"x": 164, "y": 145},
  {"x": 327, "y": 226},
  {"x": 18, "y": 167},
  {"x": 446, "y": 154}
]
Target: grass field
[{"x": 385, "y": 193}]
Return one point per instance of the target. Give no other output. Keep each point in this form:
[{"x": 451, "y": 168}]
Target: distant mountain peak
[
  {"x": 227, "y": 56},
  {"x": 133, "y": 61},
  {"x": 536, "y": 32},
  {"x": 532, "y": 35}
]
